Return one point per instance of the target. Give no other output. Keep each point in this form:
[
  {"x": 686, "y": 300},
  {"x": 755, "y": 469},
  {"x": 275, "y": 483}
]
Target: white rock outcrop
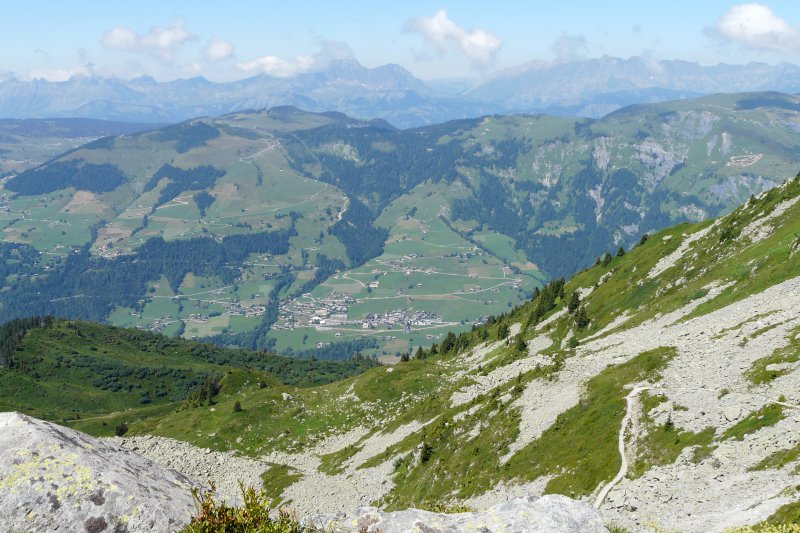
[
  {"x": 548, "y": 514},
  {"x": 56, "y": 479}
]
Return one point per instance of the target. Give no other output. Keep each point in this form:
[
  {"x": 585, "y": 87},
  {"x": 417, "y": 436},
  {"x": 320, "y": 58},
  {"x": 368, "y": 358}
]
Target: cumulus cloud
[
  {"x": 757, "y": 27},
  {"x": 161, "y": 42},
  {"x": 569, "y": 47},
  {"x": 218, "y": 50},
  {"x": 280, "y": 68},
  {"x": 286, "y": 68},
  {"x": 479, "y": 46}
]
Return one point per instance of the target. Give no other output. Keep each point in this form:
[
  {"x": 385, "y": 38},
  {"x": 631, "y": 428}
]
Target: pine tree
[
  {"x": 502, "y": 331},
  {"x": 621, "y": 251},
  {"x": 237, "y": 407},
  {"x": 581, "y": 318},
  {"x": 574, "y": 302}
]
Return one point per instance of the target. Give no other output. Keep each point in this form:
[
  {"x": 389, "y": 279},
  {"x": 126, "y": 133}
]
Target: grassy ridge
[{"x": 71, "y": 368}]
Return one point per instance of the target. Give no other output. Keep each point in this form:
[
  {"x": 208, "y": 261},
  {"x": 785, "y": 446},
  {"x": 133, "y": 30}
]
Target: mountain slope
[
  {"x": 26, "y": 143},
  {"x": 691, "y": 337},
  {"x": 59, "y": 369},
  {"x": 290, "y": 229}
]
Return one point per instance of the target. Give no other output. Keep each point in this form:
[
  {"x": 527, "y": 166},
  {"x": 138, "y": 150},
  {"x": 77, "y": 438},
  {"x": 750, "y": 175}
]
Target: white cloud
[
  {"x": 218, "y": 50},
  {"x": 160, "y": 42},
  {"x": 756, "y": 26},
  {"x": 63, "y": 74},
  {"x": 119, "y": 38},
  {"x": 275, "y": 66},
  {"x": 569, "y": 47},
  {"x": 281, "y": 68},
  {"x": 478, "y": 45}
]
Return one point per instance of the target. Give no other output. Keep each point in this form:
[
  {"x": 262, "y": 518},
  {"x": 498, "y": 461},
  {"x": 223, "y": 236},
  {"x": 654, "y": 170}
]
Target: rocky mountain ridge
[{"x": 587, "y": 87}]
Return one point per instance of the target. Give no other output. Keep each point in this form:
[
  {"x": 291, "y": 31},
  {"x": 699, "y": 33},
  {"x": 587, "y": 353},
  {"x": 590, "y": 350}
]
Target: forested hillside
[{"x": 300, "y": 231}]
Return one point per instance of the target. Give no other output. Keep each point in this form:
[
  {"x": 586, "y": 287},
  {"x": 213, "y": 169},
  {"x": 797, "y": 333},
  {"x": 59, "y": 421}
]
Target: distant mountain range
[{"x": 591, "y": 88}]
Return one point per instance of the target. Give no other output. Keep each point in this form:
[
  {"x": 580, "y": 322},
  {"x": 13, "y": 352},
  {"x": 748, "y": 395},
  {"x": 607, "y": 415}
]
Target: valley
[
  {"x": 677, "y": 358},
  {"x": 393, "y": 237}
]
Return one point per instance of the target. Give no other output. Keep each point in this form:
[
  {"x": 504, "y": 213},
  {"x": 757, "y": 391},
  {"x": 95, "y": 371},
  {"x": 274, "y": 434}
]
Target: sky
[{"x": 231, "y": 40}]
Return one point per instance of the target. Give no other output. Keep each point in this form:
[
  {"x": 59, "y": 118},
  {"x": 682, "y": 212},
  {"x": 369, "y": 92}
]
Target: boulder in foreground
[
  {"x": 548, "y": 514},
  {"x": 56, "y": 479}
]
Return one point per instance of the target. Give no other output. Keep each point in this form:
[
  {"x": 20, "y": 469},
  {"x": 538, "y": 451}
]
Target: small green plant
[
  {"x": 573, "y": 342},
  {"x": 252, "y": 517},
  {"x": 237, "y": 407},
  {"x": 425, "y": 452},
  {"x": 445, "y": 507},
  {"x": 616, "y": 528}
]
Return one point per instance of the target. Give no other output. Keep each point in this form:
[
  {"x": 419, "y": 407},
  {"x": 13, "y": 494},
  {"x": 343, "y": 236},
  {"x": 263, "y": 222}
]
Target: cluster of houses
[
  {"x": 237, "y": 309},
  {"x": 309, "y": 311},
  {"x": 401, "y": 318},
  {"x": 157, "y": 326}
]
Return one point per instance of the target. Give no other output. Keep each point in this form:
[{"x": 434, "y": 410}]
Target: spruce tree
[
  {"x": 574, "y": 302},
  {"x": 581, "y": 318},
  {"x": 502, "y": 331}
]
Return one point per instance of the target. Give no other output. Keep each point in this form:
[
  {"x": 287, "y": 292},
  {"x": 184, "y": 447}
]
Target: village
[{"x": 331, "y": 312}]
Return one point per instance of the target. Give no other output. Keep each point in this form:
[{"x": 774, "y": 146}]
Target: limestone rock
[
  {"x": 732, "y": 412},
  {"x": 57, "y": 479},
  {"x": 548, "y": 514}
]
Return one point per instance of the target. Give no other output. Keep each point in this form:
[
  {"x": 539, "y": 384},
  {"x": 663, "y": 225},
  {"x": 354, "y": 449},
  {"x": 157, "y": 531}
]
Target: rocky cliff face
[{"x": 57, "y": 479}]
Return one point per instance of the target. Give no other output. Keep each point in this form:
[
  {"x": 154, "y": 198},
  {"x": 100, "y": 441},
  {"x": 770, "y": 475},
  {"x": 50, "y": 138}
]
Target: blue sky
[{"x": 236, "y": 39}]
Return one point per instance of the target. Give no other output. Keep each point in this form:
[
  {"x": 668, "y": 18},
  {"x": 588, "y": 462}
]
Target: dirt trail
[{"x": 630, "y": 403}]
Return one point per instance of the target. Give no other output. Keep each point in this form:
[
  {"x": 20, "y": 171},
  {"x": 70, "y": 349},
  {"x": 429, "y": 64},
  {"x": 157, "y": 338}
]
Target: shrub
[
  {"x": 425, "y": 452},
  {"x": 237, "y": 407},
  {"x": 442, "y": 507},
  {"x": 253, "y": 517},
  {"x": 121, "y": 429}
]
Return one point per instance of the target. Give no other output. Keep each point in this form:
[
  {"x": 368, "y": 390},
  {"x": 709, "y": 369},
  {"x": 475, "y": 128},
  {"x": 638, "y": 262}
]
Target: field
[{"x": 428, "y": 281}]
